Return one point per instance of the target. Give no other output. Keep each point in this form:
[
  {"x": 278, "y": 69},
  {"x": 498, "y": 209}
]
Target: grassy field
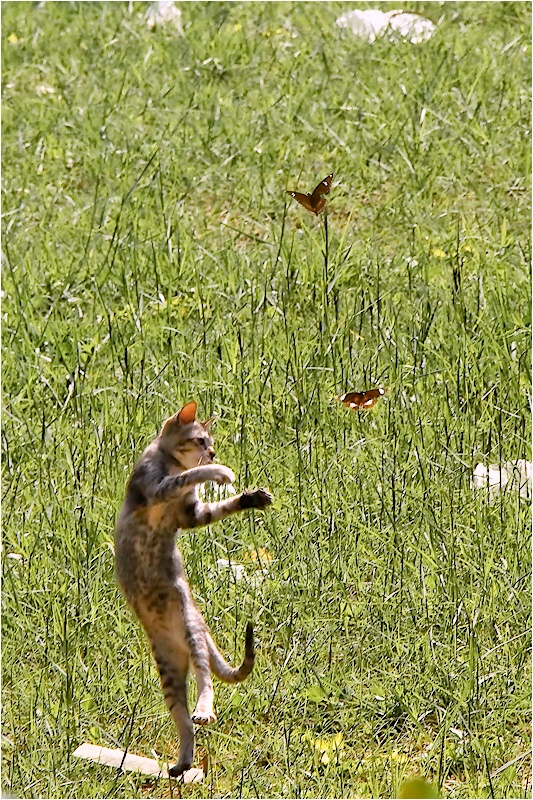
[{"x": 150, "y": 256}]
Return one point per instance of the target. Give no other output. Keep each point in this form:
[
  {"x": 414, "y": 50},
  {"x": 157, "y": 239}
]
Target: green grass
[{"x": 151, "y": 256}]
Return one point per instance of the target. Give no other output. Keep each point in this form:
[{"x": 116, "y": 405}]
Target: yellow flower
[
  {"x": 438, "y": 253},
  {"x": 260, "y": 555},
  {"x": 330, "y": 748}
]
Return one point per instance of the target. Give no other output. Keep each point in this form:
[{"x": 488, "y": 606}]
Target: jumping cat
[{"x": 160, "y": 498}]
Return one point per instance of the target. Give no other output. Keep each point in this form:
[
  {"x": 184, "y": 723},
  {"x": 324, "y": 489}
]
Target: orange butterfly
[
  {"x": 314, "y": 202},
  {"x": 362, "y": 401}
]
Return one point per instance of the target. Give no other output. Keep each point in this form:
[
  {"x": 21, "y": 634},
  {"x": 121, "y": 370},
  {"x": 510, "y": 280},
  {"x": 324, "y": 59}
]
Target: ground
[{"x": 151, "y": 256}]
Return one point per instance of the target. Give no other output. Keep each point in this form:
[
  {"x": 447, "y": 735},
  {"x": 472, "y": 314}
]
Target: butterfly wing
[
  {"x": 362, "y": 401},
  {"x": 305, "y": 200},
  {"x": 352, "y": 399},
  {"x": 370, "y": 399},
  {"x": 322, "y": 188},
  {"x": 314, "y": 202}
]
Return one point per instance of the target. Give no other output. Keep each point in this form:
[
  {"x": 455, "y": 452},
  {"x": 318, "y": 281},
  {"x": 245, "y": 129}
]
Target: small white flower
[
  {"x": 238, "y": 570},
  {"x": 458, "y": 732},
  {"x": 43, "y": 89},
  {"x": 258, "y": 577}
]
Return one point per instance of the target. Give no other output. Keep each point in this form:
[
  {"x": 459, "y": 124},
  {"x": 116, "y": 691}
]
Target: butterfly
[
  {"x": 362, "y": 401},
  {"x": 314, "y": 202}
]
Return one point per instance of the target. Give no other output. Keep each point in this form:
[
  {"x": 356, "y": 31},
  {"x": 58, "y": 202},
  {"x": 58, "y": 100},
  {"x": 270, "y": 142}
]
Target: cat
[{"x": 160, "y": 498}]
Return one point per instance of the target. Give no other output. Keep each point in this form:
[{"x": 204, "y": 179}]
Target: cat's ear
[
  {"x": 183, "y": 417},
  {"x": 187, "y": 413},
  {"x": 207, "y": 424}
]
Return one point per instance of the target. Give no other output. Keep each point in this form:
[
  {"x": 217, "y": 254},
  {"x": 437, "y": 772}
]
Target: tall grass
[{"x": 151, "y": 257}]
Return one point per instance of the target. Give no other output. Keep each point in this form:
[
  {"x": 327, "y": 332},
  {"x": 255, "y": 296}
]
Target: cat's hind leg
[
  {"x": 196, "y": 635},
  {"x": 203, "y": 713},
  {"x": 173, "y": 665}
]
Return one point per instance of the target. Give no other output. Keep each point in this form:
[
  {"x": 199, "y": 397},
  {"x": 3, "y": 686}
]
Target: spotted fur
[{"x": 160, "y": 498}]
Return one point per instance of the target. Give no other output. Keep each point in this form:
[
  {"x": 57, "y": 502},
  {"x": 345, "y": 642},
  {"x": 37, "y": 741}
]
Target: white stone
[
  {"x": 372, "y": 23},
  {"x": 132, "y": 763},
  {"x": 495, "y": 477},
  {"x": 162, "y": 13}
]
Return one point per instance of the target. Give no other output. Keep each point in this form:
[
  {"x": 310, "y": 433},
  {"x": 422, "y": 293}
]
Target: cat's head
[{"x": 188, "y": 440}]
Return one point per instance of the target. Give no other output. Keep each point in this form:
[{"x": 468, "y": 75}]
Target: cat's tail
[{"x": 220, "y": 666}]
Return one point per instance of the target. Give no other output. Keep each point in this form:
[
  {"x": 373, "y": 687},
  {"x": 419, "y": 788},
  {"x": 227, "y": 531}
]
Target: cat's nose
[{"x": 211, "y": 452}]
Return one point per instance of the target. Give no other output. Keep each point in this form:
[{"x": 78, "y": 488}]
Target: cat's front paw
[
  {"x": 256, "y": 498},
  {"x": 203, "y": 717},
  {"x": 222, "y": 474}
]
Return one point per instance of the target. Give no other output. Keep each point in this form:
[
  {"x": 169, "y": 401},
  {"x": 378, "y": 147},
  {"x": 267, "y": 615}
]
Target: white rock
[
  {"x": 372, "y": 23},
  {"x": 413, "y": 27},
  {"x": 368, "y": 24},
  {"x": 128, "y": 761},
  {"x": 162, "y": 13},
  {"x": 495, "y": 477}
]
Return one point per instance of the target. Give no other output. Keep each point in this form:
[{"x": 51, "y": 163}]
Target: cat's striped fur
[{"x": 160, "y": 498}]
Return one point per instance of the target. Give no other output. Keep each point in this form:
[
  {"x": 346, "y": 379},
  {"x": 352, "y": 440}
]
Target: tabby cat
[{"x": 160, "y": 498}]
